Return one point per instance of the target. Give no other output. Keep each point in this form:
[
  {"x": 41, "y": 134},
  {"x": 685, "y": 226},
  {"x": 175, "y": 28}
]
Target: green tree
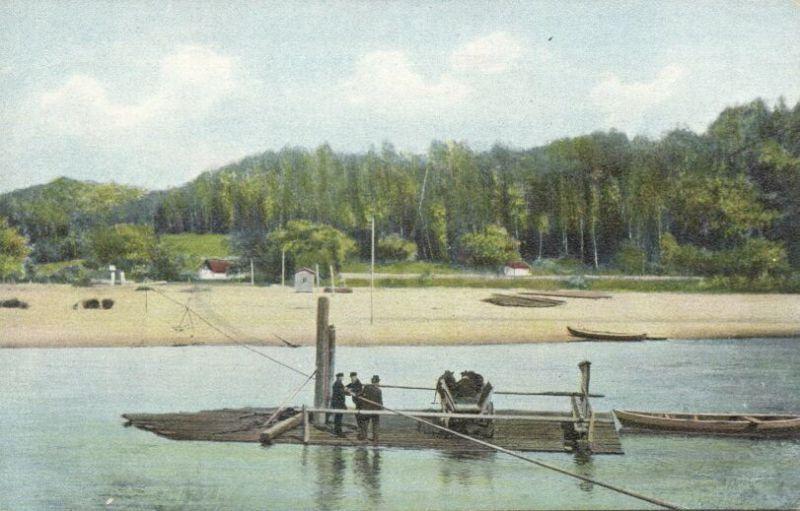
[
  {"x": 307, "y": 243},
  {"x": 123, "y": 245},
  {"x": 491, "y": 247},
  {"x": 13, "y": 251},
  {"x": 395, "y": 248}
]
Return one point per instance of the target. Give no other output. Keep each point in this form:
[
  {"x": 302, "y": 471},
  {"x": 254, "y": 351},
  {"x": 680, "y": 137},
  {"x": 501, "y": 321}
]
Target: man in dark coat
[
  {"x": 338, "y": 402},
  {"x": 354, "y": 388},
  {"x": 371, "y": 399}
]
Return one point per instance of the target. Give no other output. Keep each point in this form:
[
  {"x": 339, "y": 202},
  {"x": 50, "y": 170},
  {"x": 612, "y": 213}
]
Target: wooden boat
[
  {"x": 605, "y": 336},
  {"x": 522, "y": 301},
  {"x": 711, "y": 423}
]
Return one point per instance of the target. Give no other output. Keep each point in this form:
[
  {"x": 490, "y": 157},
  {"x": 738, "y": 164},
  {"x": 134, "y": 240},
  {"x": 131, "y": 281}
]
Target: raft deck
[{"x": 543, "y": 432}]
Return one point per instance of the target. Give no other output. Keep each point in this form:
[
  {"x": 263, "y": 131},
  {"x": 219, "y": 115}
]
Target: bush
[
  {"x": 756, "y": 258},
  {"x": 492, "y": 247},
  {"x": 630, "y": 258},
  {"x": 13, "y": 303},
  {"x": 395, "y": 248}
]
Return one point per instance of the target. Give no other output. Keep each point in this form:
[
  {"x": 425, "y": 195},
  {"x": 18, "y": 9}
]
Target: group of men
[{"x": 365, "y": 397}]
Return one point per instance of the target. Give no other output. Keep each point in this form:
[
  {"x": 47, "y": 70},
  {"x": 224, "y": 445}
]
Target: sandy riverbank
[{"x": 402, "y": 316}]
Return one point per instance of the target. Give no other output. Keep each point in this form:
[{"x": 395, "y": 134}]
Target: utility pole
[
  {"x": 372, "y": 275},
  {"x": 283, "y": 267}
]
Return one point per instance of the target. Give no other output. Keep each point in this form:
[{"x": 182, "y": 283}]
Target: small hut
[
  {"x": 304, "y": 280},
  {"x": 516, "y": 269},
  {"x": 214, "y": 269}
]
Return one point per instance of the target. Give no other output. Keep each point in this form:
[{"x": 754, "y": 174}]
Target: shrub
[
  {"x": 395, "y": 248},
  {"x": 630, "y": 258},
  {"x": 491, "y": 247}
]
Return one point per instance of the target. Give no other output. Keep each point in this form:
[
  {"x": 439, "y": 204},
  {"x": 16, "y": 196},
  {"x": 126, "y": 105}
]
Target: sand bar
[{"x": 412, "y": 316}]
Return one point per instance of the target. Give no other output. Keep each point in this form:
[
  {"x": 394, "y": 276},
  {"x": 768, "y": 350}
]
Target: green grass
[
  {"x": 403, "y": 267},
  {"x": 48, "y": 269},
  {"x": 197, "y": 246},
  {"x": 456, "y": 281}
]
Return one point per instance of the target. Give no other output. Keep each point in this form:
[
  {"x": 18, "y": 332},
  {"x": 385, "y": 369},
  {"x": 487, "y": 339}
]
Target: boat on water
[
  {"x": 596, "y": 335},
  {"x": 754, "y": 425}
]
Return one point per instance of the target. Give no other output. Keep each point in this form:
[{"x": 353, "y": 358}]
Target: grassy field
[
  {"x": 420, "y": 267},
  {"x": 414, "y": 316},
  {"x": 197, "y": 246}
]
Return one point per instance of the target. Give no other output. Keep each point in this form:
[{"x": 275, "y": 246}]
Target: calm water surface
[{"x": 62, "y": 444}]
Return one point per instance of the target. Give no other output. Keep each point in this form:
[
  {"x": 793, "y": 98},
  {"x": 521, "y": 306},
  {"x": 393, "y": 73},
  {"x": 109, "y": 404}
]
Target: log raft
[{"x": 542, "y": 432}]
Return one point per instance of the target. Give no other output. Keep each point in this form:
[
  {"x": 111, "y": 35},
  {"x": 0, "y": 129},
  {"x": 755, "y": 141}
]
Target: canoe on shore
[
  {"x": 596, "y": 335},
  {"x": 767, "y": 425},
  {"x": 522, "y": 301}
]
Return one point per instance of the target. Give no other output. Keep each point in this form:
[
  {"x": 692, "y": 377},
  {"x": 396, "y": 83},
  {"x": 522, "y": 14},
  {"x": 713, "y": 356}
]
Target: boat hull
[
  {"x": 753, "y": 425},
  {"x": 605, "y": 336}
]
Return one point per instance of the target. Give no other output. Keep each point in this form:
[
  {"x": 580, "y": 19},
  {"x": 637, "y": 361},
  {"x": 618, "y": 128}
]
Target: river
[{"x": 62, "y": 444}]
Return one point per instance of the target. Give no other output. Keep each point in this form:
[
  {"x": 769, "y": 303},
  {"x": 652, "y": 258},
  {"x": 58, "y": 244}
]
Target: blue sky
[{"x": 153, "y": 93}]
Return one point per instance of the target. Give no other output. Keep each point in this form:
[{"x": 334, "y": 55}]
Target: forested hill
[
  {"x": 55, "y": 213},
  {"x": 580, "y": 197},
  {"x": 583, "y": 197}
]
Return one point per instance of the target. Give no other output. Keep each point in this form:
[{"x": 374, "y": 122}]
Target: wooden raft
[{"x": 246, "y": 425}]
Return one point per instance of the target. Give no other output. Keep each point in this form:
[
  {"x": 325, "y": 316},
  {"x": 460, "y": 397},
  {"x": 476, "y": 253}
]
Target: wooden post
[
  {"x": 583, "y": 426},
  {"x": 283, "y": 268},
  {"x": 329, "y": 377},
  {"x": 323, "y": 357},
  {"x": 306, "y": 426},
  {"x": 372, "y": 274}
]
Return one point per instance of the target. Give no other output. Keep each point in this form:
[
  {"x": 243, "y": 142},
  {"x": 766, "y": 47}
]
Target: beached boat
[
  {"x": 711, "y": 423},
  {"x": 522, "y": 301},
  {"x": 596, "y": 335}
]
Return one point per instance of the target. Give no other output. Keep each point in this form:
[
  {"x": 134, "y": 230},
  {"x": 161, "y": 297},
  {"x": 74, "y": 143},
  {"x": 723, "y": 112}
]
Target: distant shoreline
[{"x": 429, "y": 316}]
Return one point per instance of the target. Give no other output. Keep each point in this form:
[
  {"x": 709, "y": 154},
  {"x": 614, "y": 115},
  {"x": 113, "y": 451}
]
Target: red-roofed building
[
  {"x": 516, "y": 269},
  {"x": 214, "y": 269}
]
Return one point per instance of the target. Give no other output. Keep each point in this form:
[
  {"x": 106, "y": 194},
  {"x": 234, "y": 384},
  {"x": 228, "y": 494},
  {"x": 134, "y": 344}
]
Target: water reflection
[
  {"x": 584, "y": 467},
  {"x": 331, "y": 463},
  {"x": 466, "y": 467},
  {"x": 367, "y": 467}
]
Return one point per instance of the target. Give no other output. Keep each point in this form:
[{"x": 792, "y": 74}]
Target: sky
[{"x": 154, "y": 93}]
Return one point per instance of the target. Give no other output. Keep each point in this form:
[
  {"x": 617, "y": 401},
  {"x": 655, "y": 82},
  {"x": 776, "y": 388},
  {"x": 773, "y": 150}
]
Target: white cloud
[
  {"x": 386, "y": 80},
  {"x": 191, "y": 81},
  {"x": 625, "y": 103},
  {"x": 491, "y": 54}
]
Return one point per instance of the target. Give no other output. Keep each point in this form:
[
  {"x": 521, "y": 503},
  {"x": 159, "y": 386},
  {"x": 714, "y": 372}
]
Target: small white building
[
  {"x": 214, "y": 269},
  {"x": 516, "y": 269},
  {"x": 304, "y": 280}
]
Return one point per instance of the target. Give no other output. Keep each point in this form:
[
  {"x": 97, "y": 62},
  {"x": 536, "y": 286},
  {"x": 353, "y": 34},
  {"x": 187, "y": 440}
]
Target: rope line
[
  {"x": 282, "y": 406},
  {"x": 516, "y": 454},
  {"x": 230, "y": 337}
]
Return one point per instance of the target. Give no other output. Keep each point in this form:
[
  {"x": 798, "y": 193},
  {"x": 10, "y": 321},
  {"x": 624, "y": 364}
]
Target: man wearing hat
[
  {"x": 354, "y": 388},
  {"x": 371, "y": 398},
  {"x": 338, "y": 402}
]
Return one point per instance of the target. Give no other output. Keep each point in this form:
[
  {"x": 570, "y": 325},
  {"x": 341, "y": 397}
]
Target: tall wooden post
[
  {"x": 331, "y": 365},
  {"x": 283, "y": 268},
  {"x": 372, "y": 273},
  {"x": 583, "y": 426},
  {"x": 323, "y": 357}
]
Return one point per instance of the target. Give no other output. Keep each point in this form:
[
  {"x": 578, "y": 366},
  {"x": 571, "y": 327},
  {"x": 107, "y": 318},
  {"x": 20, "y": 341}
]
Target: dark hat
[
  {"x": 376, "y": 379},
  {"x": 339, "y": 375},
  {"x": 354, "y": 373}
]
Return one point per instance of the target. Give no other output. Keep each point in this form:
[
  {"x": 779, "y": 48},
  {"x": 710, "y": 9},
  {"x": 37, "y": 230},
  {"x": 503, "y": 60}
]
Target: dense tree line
[
  {"x": 580, "y": 197},
  {"x": 599, "y": 198}
]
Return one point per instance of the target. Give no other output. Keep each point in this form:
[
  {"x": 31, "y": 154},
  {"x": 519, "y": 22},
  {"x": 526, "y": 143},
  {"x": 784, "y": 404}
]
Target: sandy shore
[{"x": 402, "y": 316}]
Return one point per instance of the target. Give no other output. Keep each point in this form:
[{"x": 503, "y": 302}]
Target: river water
[{"x": 62, "y": 444}]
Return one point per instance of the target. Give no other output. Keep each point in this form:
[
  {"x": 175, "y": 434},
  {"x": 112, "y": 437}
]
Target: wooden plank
[{"x": 530, "y": 433}]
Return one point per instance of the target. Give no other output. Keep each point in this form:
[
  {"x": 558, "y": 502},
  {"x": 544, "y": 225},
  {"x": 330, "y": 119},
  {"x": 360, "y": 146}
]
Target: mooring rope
[
  {"x": 230, "y": 337},
  {"x": 497, "y": 448},
  {"x": 520, "y": 456}
]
